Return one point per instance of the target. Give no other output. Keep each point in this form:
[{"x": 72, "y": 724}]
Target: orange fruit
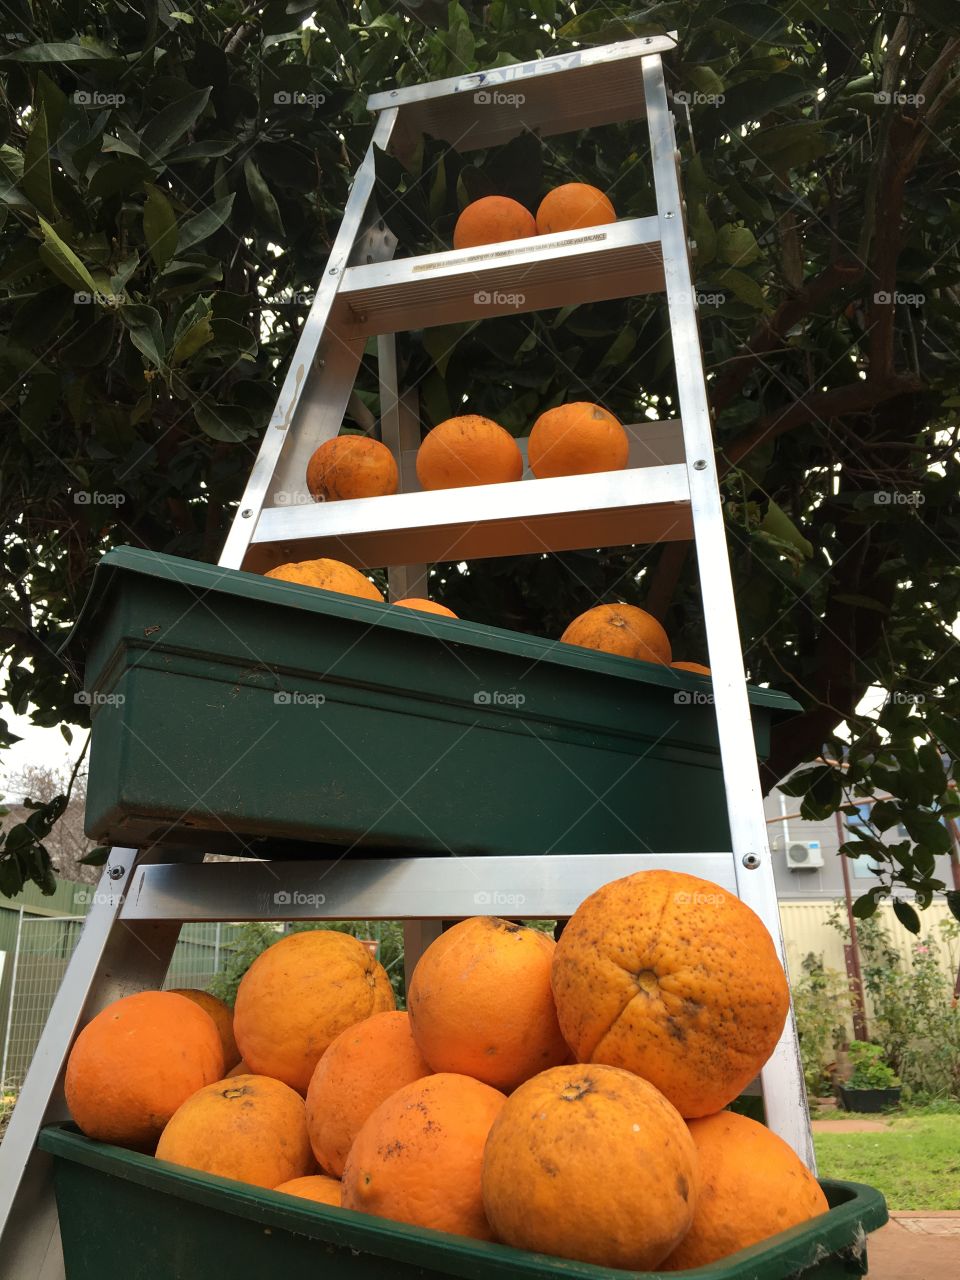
[
  {"x": 315, "y": 1187},
  {"x": 250, "y": 1128},
  {"x": 328, "y": 575},
  {"x": 575, "y": 439},
  {"x": 696, "y": 667},
  {"x": 298, "y": 996},
  {"x": 752, "y": 1185},
  {"x": 425, "y": 606},
  {"x": 575, "y": 204},
  {"x": 132, "y": 1066},
  {"x": 468, "y": 450},
  {"x": 418, "y": 1157},
  {"x": 222, "y": 1016},
  {"x": 621, "y": 629},
  {"x": 590, "y": 1163},
  {"x": 480, "y": 1003},
  {"x": 365, "y": 1065},
  {"x": 352, "y": 467},
  {"x": 685, "y": 989},
  {"x": 490, "y": 220}
]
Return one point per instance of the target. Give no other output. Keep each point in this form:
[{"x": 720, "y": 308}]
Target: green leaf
[
  {"x": 865, "y": 907},
  {"x": 58, "y": 54},
  {"x": 96, "y": 857},
  {"x": 262, "y": 197},
  {"x": 953, "y": 902},
  {"x": 761, "y": 23},
  {"x": 226, "y": 422},
  {"x": 777, "y": 522},
  {"x": 906, "y": 915},
  {"x": 159, "y": 226},
  {"x": 197, "y": 336},
  {"x": 211, "y": 149},
  {"x": 743, "y": 287},
  {"x": 63, "y": 262},
  {"x": 204, "y": 224},
  {"x": 169, "y": 125},
  {"x": 146, "y": 331},
  {"x": 36, "y": 181},
  {"x": 704, "y": 233},
  {"x": 737, "y": 245}
]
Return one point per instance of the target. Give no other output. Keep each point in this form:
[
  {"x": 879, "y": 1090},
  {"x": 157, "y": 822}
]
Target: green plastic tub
[
  {"x": 125, "y": 1216},
  {"x": 237, "y": 711}
]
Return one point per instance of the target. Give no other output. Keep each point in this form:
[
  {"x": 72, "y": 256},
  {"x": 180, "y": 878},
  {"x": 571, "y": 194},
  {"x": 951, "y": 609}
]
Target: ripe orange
[
  {"x": 622, "y": 629},
  {"x": 590, "y": 1163},
  {"x": 575, "y": 439},
  {"x": 352, "y": 467},
  {"x": 685, "y": 991},
  {"x": 315, "y": 1187},
  {"x": 328, "y": 575},
  {"x": 752, "y": 1185},
  {"x": 490, "y": 220},
  {"x": 222, "y": 1016},
  {"x": 480, "y": 1003},
  {"x": 132, "y": 1066},
  {"x": 696, "y": 667},
  {"x": 250, "y": 1128},
  {"x": 468, "y": 450},
  {"x": 365, "y": 1065},
  {"x": 425, "y": 606},
  {"x": 418, "y": 1157},
  {"x": 298, "y": 996},
  {"x": 575, "y": 204}
]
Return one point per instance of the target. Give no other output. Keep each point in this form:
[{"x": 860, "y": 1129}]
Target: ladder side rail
[
  {"x": 302, "y": 367},
  {"x": 113, "y": 958},
  {"x": 783, "y": 1085}
]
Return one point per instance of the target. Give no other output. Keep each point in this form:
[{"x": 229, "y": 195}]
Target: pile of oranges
[{"x": 564, "y": 1097}]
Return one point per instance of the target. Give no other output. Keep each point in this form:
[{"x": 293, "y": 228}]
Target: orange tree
[{"x": 171, "y": 180}]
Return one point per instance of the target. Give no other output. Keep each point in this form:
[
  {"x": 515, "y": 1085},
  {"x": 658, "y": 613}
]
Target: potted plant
[{"x": 873, "y": 1086}]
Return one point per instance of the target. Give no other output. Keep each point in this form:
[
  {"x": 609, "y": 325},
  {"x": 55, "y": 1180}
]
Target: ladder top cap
[{"x": 642, "y": 47}]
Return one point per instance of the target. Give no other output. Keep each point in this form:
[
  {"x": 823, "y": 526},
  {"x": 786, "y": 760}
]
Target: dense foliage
[{"x": 171, "y": 180}]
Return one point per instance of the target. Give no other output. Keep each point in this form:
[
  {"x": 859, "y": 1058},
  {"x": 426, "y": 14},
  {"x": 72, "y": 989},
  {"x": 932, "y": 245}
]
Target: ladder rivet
[
  {"x": 246, "y": 513},
  {"x": 750, "y": 861},
  {"x": 333, "y": 271},
  {"x": 700, "y": 464},
  {"x": 668, "y": 214},
  {"x": 117, "y": 873}
]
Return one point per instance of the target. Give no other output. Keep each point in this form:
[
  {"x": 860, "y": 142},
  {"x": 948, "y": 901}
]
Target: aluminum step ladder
[{"x": 669, "y": 492}]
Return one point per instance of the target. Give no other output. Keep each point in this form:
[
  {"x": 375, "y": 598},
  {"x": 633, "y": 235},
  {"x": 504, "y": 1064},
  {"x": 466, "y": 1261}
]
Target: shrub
[
  {"x": 869, "y": 1069},
  {"x": 821, "y": 1003}
]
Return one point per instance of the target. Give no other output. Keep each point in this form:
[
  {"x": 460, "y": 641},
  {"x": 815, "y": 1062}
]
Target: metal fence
[{"x": 38, "y": 961}]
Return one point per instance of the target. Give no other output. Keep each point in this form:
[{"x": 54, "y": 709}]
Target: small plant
[
  {"x": 869, "y": 1069},
  {"x": 821, "y": 1002}
]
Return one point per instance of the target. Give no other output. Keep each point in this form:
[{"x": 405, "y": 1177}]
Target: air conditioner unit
[{"x": 803, "y": 855}]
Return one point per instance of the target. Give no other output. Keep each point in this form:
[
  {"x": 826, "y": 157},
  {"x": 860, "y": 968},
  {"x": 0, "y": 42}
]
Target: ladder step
[
  {"x": 609, "y": 509},
  {"x": 534, "y": 887},
  {"x": 623, "y": 259}
]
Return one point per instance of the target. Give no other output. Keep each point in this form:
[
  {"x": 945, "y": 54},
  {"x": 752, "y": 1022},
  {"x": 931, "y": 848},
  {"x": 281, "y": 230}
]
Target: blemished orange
[
  {"x": 696, "y": 667},
  {"x": 298, "y": 996},
  {"x": 362, "y": 1068},
  {"x": 251, "y": 1128},
  {"x": 316, "y": 1186},
  {"x": 352, "y": 467},
  {"x": 425, "y": 606},
  {"x": 622, "y": 629},
  {"x": 328, "y": 575},
  {"x": 590, "y": 1163},
  {"x": 492, "y": 219},
  {"x": 133, "y": 1065},
  {"x": 576, "y": 439},
  {"x": 480, "y": 1003},
  {"x": 222, "y": 1016},
  {"x": 419, "y": 1155},
  {"x": 752, "y": 1185},
  {"x": 468, "y": 450},
  {"x": 686, "y": 990},
  {"x": 573, "y": 205}
]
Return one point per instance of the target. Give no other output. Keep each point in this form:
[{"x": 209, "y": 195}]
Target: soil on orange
[
  {"x": 590, "y": 1163},
  {"x": 480, "y": 1003},
  {"x": 685, "y": 990},
  {"x": 468, "y": 450},
  {"x": 577, "y": 439},
  {"x": 622, "y": 629},
  {"x": 573, "y": 205},
  {"x": 492, "y": 219},
  {"x": 251, "y": 1128},
  {"x": 425, "y": 606},
  {"x": 352, "y": 467},
  {"x": 222, "y": 1016},
  {"x": 328, "y": 575},
  {"x": 136, "y": 1062}
]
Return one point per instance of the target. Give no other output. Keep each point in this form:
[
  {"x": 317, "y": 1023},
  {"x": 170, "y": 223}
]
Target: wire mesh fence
[{"x": 42, "y": 950}]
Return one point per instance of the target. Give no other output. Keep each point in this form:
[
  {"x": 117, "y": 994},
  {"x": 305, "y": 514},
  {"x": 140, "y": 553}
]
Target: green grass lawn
[{"x": 915, "y": 1162}]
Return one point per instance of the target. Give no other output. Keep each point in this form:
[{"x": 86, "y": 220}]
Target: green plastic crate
[
  {"x": 126, "y": 1216},
  {"x": 237, "y": 711}
]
